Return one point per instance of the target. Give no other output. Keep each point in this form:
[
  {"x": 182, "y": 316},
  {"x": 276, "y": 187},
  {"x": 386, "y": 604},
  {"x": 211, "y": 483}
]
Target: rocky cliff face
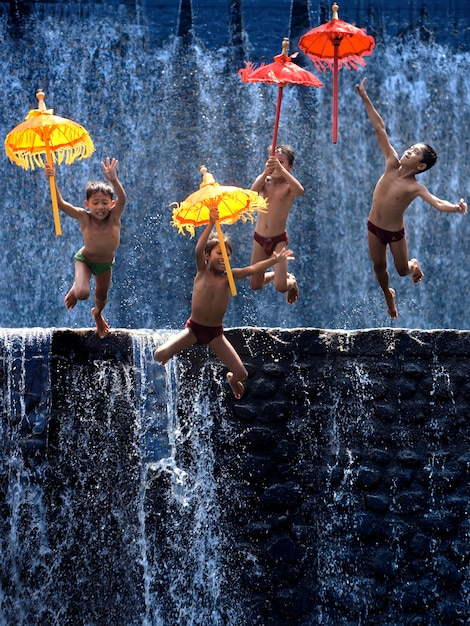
[{"x": 335, "y": 492}]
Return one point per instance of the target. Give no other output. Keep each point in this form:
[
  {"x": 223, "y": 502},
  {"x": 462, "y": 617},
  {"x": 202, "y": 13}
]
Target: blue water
[{"x": 156, "y": 85}]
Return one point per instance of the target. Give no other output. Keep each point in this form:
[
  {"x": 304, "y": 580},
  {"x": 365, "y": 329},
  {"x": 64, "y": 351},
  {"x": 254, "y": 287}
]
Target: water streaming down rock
[
  {"x": 159, "y": 500},
  {"x": 164, "y": 97},
  {"x": 139, "y": 495},
  {"x": 110, "y": 511}
]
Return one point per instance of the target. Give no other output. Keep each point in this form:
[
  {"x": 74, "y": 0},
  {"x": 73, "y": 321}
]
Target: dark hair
[
  {"x": 214, "y": 240},
  {"x": 287, "y": 150},
  {"x": 95, "y": 186},
  {"x": 429, "y": 156}
]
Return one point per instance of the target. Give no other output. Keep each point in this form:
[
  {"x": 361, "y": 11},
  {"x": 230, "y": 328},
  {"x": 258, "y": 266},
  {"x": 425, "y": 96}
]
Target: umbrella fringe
[
  {"x": 257, "y": 204},
  {"x": 28, "y": 160},
  {"x": 351, "y": 63}
]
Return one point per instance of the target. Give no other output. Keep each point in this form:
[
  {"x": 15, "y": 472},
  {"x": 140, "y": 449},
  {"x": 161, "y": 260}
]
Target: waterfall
[
  {"x": 140, "y": 495},
  {"x": 25, "y": 550},
  {"x": 110, "y": 492},
  {"x": 187, "y": 533},
  {"x": 164, "y": 104}
]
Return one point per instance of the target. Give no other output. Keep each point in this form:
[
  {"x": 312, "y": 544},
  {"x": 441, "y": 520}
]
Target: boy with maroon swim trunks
[
  {"x": 211, "y": 294},
  {"x": 280, "y": 188},
  {"x": 393, "y": 193}
]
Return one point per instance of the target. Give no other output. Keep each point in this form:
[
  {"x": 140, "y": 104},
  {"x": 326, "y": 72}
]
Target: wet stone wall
[
  {"x": 344, "y": 477},
  {"x": 336, "y": 491}
]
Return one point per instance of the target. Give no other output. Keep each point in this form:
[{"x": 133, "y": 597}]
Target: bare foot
[
  {"x": 416, "y": 273},
  {"x": 70, "y": 299},
  {"x": 293, "y": 290},
  {"x": 102, "y": 326},
  {"x": 390, "y": 300},
  {"x": 158, "y": 358},
  {"x": 237, "y": 387}
]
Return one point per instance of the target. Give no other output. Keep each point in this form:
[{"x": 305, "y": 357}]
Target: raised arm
[
  {"x": 71, "y": 210},
  {"x": 260, "y": 180},
  {"x": 202, "y": 241},
  {"x": 377, "y": 122},
  {"x": 294, "y": 184},
  {"x": 109, "y": 168}
]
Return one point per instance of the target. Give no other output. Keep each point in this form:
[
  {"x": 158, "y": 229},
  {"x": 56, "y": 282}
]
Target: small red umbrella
[
  {"x": 336, "y": 43},
  {"x": 281, "y": 73}
]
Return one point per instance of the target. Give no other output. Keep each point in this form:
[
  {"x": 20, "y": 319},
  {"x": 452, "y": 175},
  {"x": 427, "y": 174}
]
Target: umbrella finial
[
  {"x": 40, "y": 95},
  {"x": 207, "y": 178},
  {"x": 335, "y": 8},
  {"x": 285, "y": 46}
]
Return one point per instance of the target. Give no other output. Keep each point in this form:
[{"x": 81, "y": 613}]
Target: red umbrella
[
  {"x": 281, "y": 73},
  {"x": 341, "y": 42}
]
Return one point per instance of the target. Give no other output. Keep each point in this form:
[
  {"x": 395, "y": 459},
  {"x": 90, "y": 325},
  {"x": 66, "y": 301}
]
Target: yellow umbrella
[
  {"x": 233, "y": 203},
  {"x": 58, "y": 138}
]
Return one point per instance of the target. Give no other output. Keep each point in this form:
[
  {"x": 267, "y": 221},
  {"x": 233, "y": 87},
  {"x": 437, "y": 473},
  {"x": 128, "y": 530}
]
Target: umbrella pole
[
  {"x": 55, "y": 206},
  {"x": 228, "y": 269},
  {"x": 276, "y": 121},
  {"x": 335, "y": 91}
]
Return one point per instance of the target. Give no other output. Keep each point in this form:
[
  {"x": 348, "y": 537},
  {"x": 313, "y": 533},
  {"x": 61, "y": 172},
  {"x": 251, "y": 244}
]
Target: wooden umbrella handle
[
  {"x": 228, "y": 269},
  {"x": 55, "y": 205}
]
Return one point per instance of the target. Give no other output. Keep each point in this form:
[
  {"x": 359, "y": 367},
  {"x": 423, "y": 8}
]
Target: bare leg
[
  {"x": 237, "y": 373},
  {"x": 103, "y": 282},
  {"x": 258, "y": 281},
  {"x": 285, "y": 282},
  {"x": 179, "y": 342},
  {"x": 80, "y": 290},
  {"x": 378, "y": 255},
  {"x": 404, "y": 267}
]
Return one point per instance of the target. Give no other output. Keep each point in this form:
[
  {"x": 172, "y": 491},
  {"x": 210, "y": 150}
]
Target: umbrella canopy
[
  {"x": 334, "y": 45},
  {"x": 281, "y": 73},
  {"x": 233, "y": 203},
  {"x": 45, "y": 134}
]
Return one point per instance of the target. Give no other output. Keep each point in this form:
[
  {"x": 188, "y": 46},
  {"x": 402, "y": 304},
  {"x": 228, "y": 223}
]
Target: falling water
[
  {"x": 119, "y": 521},
  {"x": 26, "y": 554},
  {"x": 165, "y": 104}
]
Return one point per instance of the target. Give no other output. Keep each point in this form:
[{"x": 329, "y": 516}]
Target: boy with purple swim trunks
[
  {"x": 211, "y": 294},
  {"x": 280, "y": 188},
  {"x": 393, "y": 193}
]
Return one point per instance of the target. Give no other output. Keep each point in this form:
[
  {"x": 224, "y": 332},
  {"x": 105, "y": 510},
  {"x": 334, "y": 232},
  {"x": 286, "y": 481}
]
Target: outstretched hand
[
  {"x": 110, "y": 168},
  {"x": 282, "y": 255},
  {"x": 462, "y": 206},
  {"x": 361, "y": 89}
]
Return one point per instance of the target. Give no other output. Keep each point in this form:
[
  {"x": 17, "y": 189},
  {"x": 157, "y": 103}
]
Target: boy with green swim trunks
[
  {"x": 101, "y": 229},
  {"x": 393, "y": 193}
]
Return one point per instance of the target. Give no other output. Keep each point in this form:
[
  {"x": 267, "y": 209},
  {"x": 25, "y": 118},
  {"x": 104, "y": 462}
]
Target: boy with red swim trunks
[
  {"x": 393, "y": 193},
  {"x": 211, "y": 294},
  {"x": 280, "y": 188}
]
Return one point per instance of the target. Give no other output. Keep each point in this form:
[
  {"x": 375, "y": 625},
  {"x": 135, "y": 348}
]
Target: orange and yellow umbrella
[
  {"x": 43, "y": 133},
  {"x": 233, "y": 203}
]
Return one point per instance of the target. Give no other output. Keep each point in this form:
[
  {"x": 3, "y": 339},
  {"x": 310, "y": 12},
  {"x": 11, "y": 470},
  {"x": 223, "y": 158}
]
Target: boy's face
[
  {"x": 99, "y": 205},
  {"x": 413, "y": 157},
  {"x": 215, "y": 258}
]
